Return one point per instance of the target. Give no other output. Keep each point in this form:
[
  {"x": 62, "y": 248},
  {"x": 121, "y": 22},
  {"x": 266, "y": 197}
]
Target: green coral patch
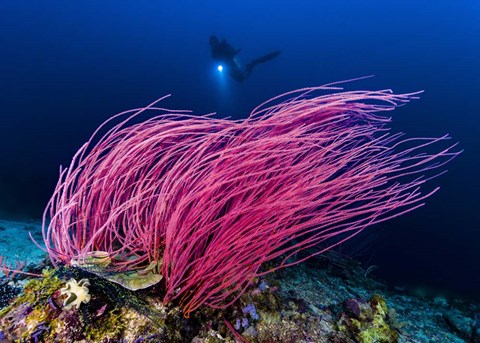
[{"x": 370, "y": 325}]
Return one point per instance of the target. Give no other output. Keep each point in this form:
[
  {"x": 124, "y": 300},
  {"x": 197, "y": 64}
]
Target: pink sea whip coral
[{"x": 211, "y": 200}]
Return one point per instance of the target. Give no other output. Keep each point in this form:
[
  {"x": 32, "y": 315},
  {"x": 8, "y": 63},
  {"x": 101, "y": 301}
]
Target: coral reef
[
  {"x": 179, "y": 227},
  {"x": 313, "y": 302}
]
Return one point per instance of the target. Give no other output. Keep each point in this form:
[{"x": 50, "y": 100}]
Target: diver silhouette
[{"x": 226, "y": 54}]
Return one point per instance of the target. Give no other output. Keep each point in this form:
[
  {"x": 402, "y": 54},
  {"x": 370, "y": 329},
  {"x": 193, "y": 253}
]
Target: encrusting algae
[{"x": 366, "y": 321}]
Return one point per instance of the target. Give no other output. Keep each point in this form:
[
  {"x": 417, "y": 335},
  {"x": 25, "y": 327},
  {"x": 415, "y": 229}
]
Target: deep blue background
[{"x": 65, "y": 67}]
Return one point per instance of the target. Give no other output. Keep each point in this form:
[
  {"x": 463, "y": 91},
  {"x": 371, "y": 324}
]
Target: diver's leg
[
  {"x": 268, "y": 57},
  {"x": 236, "y": 72}
]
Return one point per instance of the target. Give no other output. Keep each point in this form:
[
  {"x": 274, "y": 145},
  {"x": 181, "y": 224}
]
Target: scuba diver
[{"x": 226, "y": 54}]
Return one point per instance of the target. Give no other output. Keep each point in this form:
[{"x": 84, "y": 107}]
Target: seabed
[{"x": 326, "y": 299}]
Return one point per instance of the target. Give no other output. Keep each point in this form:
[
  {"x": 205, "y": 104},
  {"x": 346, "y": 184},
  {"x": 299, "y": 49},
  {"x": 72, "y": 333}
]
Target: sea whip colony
[{"x": 211, "y": 200}]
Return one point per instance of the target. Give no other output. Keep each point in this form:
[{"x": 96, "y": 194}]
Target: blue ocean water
[{"x": 65, "y": 67}]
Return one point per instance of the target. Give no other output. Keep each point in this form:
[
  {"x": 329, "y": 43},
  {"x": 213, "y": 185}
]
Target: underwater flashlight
[{"x": 220, "y": 68}]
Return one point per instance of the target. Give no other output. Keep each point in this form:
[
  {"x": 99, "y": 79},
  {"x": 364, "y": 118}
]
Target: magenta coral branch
[{"x": 215, "y": 199}]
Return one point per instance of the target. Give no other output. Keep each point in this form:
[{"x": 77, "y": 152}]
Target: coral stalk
[{"x": 215, "y": 199}]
